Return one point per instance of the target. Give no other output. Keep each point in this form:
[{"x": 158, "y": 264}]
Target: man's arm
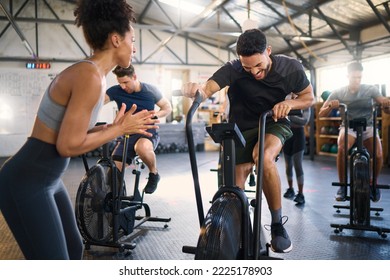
[
  {"x": 165, "y": 108},
  {"x": 107, "y": 99},
  {"x": 207, "y": 89},
  {"x": 304, "y": 100},
  {"x": 327, "y": 107}
]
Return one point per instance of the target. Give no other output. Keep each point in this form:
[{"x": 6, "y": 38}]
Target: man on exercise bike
[
  {"x": 131, "y": 91},
  {"x": 358, "y": 98},
  {"x": 258, "y": 82}
]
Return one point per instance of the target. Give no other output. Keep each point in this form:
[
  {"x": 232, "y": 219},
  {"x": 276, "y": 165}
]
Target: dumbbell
[
  {"x": 335, "y": 113},
  {"x": 333, "y": 130},
  {"x": 326, "y": 147},
  {"x": 324, "y": 130},
  {"x": 333, "y": 149}
]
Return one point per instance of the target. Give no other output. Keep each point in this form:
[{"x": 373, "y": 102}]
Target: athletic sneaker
[
  {"x": 280, "y": 241},
  {"x": 375, "y": 194},
  {"x": 151, "y": 186},
  {"x": 341, "y": 193},
  {"x": 290, "y": 193},
  {"x": 299, "y": 198}
]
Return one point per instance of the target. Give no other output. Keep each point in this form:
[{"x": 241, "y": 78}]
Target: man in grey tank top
[{"x": 359, "y": 99}]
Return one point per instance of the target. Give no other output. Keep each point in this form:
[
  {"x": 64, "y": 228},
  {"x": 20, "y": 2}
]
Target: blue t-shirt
[{"x": 146, "y": 98}]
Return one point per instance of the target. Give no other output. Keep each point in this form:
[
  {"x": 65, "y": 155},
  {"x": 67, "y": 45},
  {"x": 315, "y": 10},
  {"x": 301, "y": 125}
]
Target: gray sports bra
[{"x": 51, "y": 113}]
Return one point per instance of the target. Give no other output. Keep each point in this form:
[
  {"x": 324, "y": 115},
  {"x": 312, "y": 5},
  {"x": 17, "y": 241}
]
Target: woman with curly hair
[{"x": 33, "y": 198}]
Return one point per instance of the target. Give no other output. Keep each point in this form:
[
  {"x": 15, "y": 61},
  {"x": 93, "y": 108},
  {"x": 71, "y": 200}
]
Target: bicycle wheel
[
  {"x": 220, "y": 237},
  {"x": 361, "y": 189}
]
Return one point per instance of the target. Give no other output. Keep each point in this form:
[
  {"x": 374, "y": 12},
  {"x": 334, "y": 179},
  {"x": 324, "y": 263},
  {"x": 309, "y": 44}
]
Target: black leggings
[
  {"x": 36, "y": 204},
  {"x": 293, "y": 150}
]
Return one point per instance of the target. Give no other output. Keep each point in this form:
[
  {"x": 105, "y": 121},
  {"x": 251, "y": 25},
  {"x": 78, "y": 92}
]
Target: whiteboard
[{"x": 20, "y": 93}]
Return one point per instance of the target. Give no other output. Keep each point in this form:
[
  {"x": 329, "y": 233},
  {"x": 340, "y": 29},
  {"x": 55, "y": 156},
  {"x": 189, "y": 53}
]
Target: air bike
[
  {"x": 105, "y": 215},
  {"x": 226, "y": 231},
  {"x": 359, "y": 185}
]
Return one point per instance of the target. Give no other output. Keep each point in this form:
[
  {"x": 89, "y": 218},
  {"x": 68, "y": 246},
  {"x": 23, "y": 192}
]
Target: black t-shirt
[{"x": 249, "y": 98}]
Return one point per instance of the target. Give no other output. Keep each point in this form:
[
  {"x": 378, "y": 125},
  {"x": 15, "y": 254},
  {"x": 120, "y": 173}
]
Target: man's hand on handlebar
[
  {"x": 190, "y": 89},
  {"x": 386, "y": 105},
  {"x": 334, "y": 104},
  {"x": 280, "y": 110}
]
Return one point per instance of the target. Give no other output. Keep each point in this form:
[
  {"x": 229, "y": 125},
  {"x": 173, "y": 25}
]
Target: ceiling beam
[
  {"x": 325, "y": 18},
  {"x": 299, "y": 11},
  {"x": 207, "y": 12},
  {"x": 16, "y": 14},
  {"x": 168, "y": 48},
  {"x": 17, "y": 30},
  {"x": 305, "y": 62},
  {"x": 379, "y": 15},
  {"x": 145, "y": 11},
  {"x": 65, "y": 28}
]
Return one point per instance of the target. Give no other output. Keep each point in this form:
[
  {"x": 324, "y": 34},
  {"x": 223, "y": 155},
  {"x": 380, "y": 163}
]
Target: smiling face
[{"x": 258, "y": 65}]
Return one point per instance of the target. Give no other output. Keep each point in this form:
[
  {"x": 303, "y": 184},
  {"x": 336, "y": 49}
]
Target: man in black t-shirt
[{"x": 259, "y": 81}]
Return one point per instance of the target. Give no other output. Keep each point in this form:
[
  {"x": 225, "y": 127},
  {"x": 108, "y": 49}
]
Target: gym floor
[{"x": 308, "y": 225}]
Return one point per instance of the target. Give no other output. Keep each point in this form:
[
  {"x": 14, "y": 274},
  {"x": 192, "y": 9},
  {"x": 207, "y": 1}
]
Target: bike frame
[{"x": 359, "y": 171}]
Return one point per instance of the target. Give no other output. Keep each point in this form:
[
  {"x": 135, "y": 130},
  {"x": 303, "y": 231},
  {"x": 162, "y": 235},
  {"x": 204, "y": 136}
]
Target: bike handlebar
[
  {"x": 343, "y": 105},
  {"x": 294, "y": 112}
]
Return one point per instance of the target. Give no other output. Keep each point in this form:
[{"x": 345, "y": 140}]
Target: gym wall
[{"x": 21, "y": 90}]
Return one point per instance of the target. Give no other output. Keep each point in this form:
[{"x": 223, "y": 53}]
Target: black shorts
[{"x": 117, "y": 154}]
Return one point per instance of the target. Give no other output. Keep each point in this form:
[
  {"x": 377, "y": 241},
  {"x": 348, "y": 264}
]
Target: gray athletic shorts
[{"x": 368, "y": 133}]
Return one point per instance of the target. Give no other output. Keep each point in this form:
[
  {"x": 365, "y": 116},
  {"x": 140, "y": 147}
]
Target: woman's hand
[{"x": 137, "y": 123}]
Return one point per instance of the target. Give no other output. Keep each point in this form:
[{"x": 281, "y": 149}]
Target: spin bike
[
  {"x": 359, "y": 185},
  {"x": 226, "y": 231},
  {"x": 105, "y": 215}
]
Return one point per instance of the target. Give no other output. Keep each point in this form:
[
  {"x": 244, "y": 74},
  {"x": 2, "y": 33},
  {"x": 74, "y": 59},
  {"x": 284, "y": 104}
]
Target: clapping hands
[{"x": 136, "y": 123}]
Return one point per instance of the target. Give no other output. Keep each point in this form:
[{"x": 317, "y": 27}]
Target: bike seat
[{"x": 359, "y": 122}]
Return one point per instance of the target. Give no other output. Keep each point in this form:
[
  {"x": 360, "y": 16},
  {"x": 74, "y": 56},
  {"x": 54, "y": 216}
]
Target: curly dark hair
[
  {"x": 251, "y": 42},
  {"x": 99, "y": 18},
  {"x": 121, "y": 72}
]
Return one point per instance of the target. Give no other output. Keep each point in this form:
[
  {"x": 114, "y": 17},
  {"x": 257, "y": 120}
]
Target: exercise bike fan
[
  {"x": 361, "y": 194},
  {"x": 94, "y": 204},
  {"x": 93, "y": 211},
  {"x": 221, "y": 242}
]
